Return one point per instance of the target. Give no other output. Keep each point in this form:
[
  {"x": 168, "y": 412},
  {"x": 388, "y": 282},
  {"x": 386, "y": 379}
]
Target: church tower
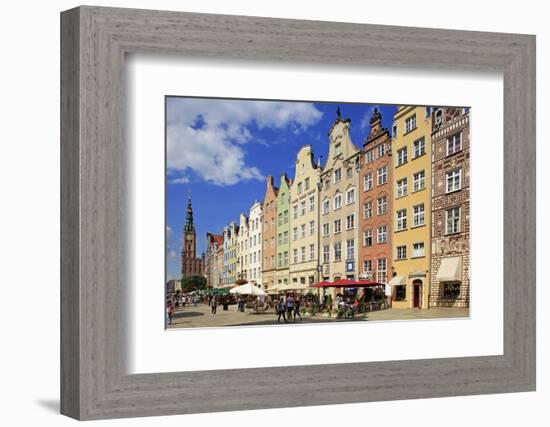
[{"x": 190, "y": 265}]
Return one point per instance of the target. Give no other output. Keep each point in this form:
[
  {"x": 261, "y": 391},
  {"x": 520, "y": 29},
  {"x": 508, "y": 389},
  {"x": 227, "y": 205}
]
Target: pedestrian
[
  {"x": 281, "y": 308},
  {"x": 214, "y": 304},
  {"x": 170, "y": 311},
  {"x": 297, "y": 308},
  {"x": 290, "y": 306}
]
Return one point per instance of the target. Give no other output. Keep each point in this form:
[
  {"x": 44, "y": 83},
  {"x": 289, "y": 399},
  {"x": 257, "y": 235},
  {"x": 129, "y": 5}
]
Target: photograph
[{"x": 293, "y": 212}]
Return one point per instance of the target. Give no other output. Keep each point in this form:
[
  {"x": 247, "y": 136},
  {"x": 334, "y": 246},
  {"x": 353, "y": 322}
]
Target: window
[
  {"x": 394, "y": 131},
  {"x": 401, "y": 219},
  {"x": 326, "y": 229},
  {"x": 311, "y": 228},
  {"x": 311, "y": 252},
  {"x": 272, "y": 261},
  {"x": 349, "y": 172},
  {"x": 382, "y": 234},
  {"x": 299, "y": 188},
  {"x": 326, "y": 206},
  {"x": 337, "y": 175},
  {"x": 367, "y": 182},
  {"x": 381, "y": 270},
  {"x": 280, "y": 219},
  {"x": 369, "y": 157},
  {"x": 280, "y": 239},
  {"x": 453, "y": 221},
  {"x": 451, "y": 291},
  {"x": 454, "y": 144},
  {"x": 402, "y": 156},
  {"x": 410, "y": 123},
  {"x": 350, "y": 222},
  {"x": 302, "y": 208},
  {"x": 295, "y": 256},
  {"x": 312, "y": 203},
  {"x": 382, "y": 205},
  {"x": 350, "y": 253},
  {"x": 367, "y": 210},
  {"x": 418, "y": 249},
  {"x": 380, "y": 150},
  {"x": 350, "y": 196},
  {"x": 302, "y": 231},
  {"x": 280, "y": 259},
  {"x": 418, "y": 215},
  {"x": 294, "y": 211},
  {"x": 285, "y": 255},
  {"x": 419, "y": 180},
  {"x": 326, "y": 254},
  {"x": 401, "y": 252},
  {"x": 295, "y": 234},
  {"x": 367, "y": 237},
  {"x": 285, "y": 237},
  {"x": 419, "y": 148},
  {"x": 285, "y": 217},
  {"x": 303, "y": 253},
  {"x": 454, "y": 180},
  {"x": 338, "y": 251},
  {"x": 337, "y": 226},
  {"x": 400, "y": 293},
  {"x": 337, "y": 149},
  {"x": 307, "y": 184},
  {"x": 337, "y": 201},
  {"x": 327, "y": 184},
  {"x": 402, "y": 187},
  {"x": 367, "y": 265},
  {"x": 382, "y": 175}
]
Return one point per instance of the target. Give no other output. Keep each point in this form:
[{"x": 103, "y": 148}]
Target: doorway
[{"x": 417, "y": 293}]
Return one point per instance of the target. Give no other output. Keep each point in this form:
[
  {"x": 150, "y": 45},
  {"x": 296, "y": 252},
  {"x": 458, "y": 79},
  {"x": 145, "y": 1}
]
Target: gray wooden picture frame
[{"x": 94, "y": 381}]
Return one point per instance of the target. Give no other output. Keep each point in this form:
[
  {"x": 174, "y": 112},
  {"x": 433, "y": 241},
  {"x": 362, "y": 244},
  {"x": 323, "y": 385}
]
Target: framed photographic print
[{"x": 363, "y": 195}]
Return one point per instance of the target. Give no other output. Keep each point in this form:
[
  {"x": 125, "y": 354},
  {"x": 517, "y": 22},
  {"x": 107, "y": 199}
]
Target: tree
[{"x": 193, "y": 283}]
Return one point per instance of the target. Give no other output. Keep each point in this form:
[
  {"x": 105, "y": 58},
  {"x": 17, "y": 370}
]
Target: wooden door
[{"x": 417, "y": 288}]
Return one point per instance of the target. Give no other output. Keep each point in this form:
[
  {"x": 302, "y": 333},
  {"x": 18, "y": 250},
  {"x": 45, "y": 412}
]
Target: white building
[
  {"x": 243, "y": 260},
  {"x": 255, "y": 244}
]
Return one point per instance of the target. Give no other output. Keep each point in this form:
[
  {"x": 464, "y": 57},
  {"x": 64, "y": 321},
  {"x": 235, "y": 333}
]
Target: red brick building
[
  {"x": 190, "y": 264},
  {"x": 375, "y": 210}
]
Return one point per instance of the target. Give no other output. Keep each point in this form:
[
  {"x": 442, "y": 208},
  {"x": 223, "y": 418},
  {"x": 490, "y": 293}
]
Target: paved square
[{"x": 199, "y": 316}]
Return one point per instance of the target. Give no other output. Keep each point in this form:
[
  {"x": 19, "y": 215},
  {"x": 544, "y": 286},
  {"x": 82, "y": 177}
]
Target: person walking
[
  {"x": 214, "y": 304},
  {"x": 170, "y": 311},
  {"x": 281, "y": 308},
  {"x": 290, "y": 307},
  {"x": 297, "y": 308}
]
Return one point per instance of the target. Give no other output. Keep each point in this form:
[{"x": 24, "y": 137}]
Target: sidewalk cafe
[{"x": 366, "y": 295}]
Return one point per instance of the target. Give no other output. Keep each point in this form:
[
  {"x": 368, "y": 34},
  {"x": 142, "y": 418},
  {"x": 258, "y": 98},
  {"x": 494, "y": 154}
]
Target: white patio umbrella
[{"x": 247, "y": 289}]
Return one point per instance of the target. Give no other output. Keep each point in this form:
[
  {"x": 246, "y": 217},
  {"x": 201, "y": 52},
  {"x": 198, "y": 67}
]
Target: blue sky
[{"x": 222, "y": 150}]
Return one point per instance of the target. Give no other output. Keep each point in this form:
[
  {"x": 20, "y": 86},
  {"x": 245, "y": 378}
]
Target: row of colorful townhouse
[{"x": 395, "y": 211}]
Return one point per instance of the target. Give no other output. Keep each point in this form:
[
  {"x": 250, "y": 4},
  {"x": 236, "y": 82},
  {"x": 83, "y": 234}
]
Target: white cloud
[
  {"x": 207, "y": 136},
  {"x": 172, "y": 254}
]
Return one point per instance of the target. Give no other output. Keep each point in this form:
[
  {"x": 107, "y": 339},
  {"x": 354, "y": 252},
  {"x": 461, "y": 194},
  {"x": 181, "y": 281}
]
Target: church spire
[{"x": 189, "y": 225}]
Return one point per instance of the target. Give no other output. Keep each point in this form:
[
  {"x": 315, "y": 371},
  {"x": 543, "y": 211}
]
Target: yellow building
[
  {"x": 411, "y": 231},
  {"x": 304, "y": 239}
]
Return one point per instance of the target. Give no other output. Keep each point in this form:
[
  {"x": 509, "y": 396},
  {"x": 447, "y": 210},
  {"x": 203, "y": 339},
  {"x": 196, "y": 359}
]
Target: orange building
[{"x": 269, "y": 234}]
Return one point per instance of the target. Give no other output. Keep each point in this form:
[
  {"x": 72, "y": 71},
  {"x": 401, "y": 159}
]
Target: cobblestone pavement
[{"x": 200, "y": 317}]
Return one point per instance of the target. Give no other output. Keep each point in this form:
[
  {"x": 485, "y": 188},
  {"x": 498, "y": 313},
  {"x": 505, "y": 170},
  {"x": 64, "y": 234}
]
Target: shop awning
[
  {"x": 398, "y": 280},
  {"x": 450, "y": 269}
]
